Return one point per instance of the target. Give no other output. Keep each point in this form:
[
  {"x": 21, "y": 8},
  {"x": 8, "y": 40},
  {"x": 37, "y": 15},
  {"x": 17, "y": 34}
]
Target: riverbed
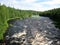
[{"x": 32, "y": 31}]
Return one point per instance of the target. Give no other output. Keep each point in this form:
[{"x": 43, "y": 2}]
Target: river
[{"x": 32, "y": 31}]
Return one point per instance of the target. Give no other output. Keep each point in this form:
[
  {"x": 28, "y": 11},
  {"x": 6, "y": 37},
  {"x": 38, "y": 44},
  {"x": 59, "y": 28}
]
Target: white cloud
[
  {"x": 32, "y": 5},
  {"x": 52, "y": 2},
  {"x": 28, "y": 1}
]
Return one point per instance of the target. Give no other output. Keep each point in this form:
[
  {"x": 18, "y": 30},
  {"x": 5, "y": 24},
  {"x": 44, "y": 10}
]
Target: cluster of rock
[{"x": 32, "y": 31}]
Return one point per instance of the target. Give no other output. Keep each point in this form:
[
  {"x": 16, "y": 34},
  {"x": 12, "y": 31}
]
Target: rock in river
[{"x": 32, "y": 31}]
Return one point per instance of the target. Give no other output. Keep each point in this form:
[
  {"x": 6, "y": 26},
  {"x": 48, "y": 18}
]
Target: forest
[
  {"x": 7, "y": 13},
  {"x": 53, "y": 14}
]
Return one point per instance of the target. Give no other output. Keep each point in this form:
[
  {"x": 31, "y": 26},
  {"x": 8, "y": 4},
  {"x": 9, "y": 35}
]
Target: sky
[{"x": 37, "y": 5}]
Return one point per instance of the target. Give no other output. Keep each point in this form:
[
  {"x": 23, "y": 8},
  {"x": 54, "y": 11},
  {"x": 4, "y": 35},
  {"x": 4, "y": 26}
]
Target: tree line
[{"x": 54, "y": 14}]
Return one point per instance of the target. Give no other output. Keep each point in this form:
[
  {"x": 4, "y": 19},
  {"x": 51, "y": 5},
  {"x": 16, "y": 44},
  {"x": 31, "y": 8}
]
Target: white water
[{"x": 33, "y": 31}]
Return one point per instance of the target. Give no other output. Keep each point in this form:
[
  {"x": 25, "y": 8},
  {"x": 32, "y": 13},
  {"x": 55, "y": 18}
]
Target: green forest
[
  {"x": 53, "y": 14},
  {"x": 7, "y": 13}
]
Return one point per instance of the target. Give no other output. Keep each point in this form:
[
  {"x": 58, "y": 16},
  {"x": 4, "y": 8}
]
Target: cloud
[
  {"x": 28, "y": 1},
  {"x": 38, "y": 5},
  {"x": 52, "y": 2}
]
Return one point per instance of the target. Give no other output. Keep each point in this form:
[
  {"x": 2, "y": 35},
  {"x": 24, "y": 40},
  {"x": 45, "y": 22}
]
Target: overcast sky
[{"x": 38, "y": 5}]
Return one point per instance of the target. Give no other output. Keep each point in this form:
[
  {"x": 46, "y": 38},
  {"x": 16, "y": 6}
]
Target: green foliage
[
  {"x": 7, "y": 13},
  {"x": 54, "y": 14}
]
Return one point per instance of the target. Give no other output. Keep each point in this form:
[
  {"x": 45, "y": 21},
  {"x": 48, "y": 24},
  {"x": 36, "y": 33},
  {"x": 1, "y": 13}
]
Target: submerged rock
[{"x": 32, "y": 31}]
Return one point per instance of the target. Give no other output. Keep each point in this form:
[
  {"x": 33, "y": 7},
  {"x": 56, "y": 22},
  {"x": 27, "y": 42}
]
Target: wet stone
[{"x": 32, "y": 31}]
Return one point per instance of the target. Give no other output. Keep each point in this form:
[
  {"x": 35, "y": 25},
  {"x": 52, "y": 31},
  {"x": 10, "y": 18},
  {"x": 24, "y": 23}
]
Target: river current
[{"x": 32, "y": 31}]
